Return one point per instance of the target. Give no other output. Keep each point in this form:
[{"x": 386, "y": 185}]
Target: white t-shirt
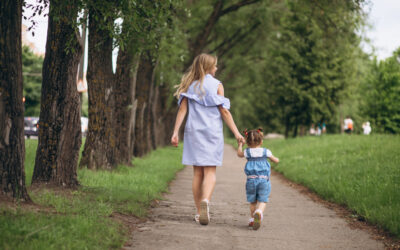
[
  {"x": 257, "y": 152},
  {"x": 347, "y": 122},
  {"x": 367, "y": 129}
]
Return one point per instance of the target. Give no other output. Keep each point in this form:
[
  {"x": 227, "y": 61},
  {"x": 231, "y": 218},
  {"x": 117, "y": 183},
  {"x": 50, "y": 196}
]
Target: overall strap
[
  {"x": 248, "y": 152},
  {"x": 264, "y": 152}
]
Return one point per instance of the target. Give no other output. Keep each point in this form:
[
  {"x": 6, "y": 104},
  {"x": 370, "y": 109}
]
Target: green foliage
[
  {"x": 32, "y": 73},
  {"x": 296, "y": 70},
  {"x": 382, "y": 95},
  {"x": 81, "y": 219}
]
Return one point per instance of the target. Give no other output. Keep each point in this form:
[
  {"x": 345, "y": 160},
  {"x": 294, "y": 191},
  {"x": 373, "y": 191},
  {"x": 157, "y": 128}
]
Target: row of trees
[
  {"x": 131, "y": 110},
  {"x": 284, "y": 65}
]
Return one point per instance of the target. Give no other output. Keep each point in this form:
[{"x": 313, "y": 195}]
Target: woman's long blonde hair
[{"x": 201, "y": 65}]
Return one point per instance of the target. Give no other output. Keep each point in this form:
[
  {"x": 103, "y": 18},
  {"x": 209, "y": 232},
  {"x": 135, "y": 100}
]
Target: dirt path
[{"x": 291, "y": 220}]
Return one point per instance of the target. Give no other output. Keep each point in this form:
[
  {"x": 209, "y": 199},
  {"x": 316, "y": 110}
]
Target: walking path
[{"x": 291, "y": 220}]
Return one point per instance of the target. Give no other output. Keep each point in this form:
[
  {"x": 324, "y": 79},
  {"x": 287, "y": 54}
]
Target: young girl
[
  {"x": 203, "y": 141},
  {"x": 258, "y": 171}
]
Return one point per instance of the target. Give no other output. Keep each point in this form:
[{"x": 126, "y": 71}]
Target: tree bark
[
  {"x": 165, "y": 112},
  {"x": 99, "y": 152},
  {"x": 12, "y": 143},
  {"x": 144, "y": 95},
  {"x": 59, "y": 123},
  {"x": 125, "y": 105}
]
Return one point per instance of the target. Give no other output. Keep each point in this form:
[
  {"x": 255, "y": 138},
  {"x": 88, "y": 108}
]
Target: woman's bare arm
[
  {"x": 227, "y": 117},
  {"x": 179, "y": 119}
]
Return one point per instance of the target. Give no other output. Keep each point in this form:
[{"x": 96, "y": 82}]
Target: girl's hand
[{"x": 175, "y": 140}]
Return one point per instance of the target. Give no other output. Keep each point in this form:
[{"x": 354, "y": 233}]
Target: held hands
[
  {"x": 175, "y": 140},
  {"x": 240, "y": 139}
]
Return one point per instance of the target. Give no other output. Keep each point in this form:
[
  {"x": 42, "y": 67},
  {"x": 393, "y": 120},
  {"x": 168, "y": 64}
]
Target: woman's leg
[
  {"x": 197, "y": 183},
  {"x": 209, "y": 180}
]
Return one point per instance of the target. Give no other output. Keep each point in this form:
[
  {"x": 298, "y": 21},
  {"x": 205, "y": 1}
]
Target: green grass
[
  {"x": 361, "y": 172},
  {"x": 81, "y": 219}
]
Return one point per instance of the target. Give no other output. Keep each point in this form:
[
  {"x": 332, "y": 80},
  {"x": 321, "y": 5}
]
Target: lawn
[
  {"x": 81, "y": 219},
  {"x": 361, "y": 172}
]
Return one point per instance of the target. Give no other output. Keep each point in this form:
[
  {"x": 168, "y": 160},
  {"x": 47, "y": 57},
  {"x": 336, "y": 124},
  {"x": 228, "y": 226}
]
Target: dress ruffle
[{"x": 208, "y": 100}]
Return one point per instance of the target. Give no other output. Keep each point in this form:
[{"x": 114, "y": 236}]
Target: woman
[{"x": 203, "y": 139}]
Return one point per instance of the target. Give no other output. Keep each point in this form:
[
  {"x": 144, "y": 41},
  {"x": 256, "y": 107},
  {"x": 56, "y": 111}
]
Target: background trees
[
  {"x": 297, "y": 72},
  {"x": 32, "y": 73},
  {"x": 381, "y": 98},
  {"x": 284, "y": 65}
]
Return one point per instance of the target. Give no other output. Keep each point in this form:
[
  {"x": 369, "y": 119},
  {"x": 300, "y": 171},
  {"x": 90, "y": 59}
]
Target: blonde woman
[{"x": 203, "y": 142}]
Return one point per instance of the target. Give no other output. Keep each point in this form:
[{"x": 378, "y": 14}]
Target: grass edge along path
[
  {"x": 359, "y": 172},
  {"x": 83, "y": 218}
]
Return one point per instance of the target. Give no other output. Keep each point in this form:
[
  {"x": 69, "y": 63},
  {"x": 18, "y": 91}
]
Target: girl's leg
[
  {"x": 261, "y": 206},
  {"x": 253, "y": 206},
  {"x": 209, "y": 180},
  {"x": 198, "y": 176}
]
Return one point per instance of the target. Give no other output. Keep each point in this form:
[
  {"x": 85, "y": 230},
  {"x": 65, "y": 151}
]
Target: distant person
[
  {"x": 202, "y": 97},
  {"x": 366, "y": 128},
  {"x": 258, "y": 171},
  {"x": 319, "y": 129},
  {"x": 312, "y": 129},
  {"x": 348, "y": 125},
  {"x": 323, "y": 129}
]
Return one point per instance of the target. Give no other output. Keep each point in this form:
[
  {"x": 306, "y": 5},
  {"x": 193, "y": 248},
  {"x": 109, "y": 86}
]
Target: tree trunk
[
  {"x": 125, "y": 105},
  {"x": 99, "y": 152},
  {"x": 287, "y": 126},
  {"x": 144, "y": 96},
  {"x": 59, "y": 123},
  {"x": 295, "y": 129},
  {"x": 157, "y": 126},
  {"x": 165, "y": 112},
  {"x": 12, "y": 143}
]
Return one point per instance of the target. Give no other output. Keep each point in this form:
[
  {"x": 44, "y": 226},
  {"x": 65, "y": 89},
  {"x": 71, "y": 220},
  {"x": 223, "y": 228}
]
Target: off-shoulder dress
[{"x": 203, "y": 142}]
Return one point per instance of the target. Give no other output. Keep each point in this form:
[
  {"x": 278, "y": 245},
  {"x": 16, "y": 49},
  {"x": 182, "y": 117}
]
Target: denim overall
[{"x": 258, "y": 171}]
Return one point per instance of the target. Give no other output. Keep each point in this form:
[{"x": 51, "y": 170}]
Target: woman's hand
[
  {"x": 240, "y": 139},
  {"x": 175, "y": 140}
]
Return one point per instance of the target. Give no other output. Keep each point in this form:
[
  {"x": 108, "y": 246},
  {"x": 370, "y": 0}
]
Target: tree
[
  {"x": 382, "y": 95},
  {"x": 99, "y": 152},
  {"x": 12, "y": 144},
  {"x": 59, "y": 123},
  {"x": 298, "y": 67}
]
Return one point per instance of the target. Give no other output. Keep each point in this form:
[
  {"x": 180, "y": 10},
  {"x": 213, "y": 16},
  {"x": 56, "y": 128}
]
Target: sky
[{"x": 384, "y": 16}]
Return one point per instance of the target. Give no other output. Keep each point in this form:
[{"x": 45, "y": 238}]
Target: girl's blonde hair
[
  {"x": 201, "y": 65},
  {"x": 253, "y": 137}
]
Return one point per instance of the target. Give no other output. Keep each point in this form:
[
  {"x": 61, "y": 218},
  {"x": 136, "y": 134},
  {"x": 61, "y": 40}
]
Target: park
[{"x": 88, "y": 124}]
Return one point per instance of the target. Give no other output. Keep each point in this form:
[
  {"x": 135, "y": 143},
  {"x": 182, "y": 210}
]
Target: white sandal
[{"x": 204, "y": 217}]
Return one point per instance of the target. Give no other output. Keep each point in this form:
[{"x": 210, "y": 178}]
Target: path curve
[{"x": 291, "y": 220}]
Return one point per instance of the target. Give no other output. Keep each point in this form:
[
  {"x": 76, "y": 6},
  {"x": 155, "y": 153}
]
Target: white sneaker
[{"x": 204, "y": 212}]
